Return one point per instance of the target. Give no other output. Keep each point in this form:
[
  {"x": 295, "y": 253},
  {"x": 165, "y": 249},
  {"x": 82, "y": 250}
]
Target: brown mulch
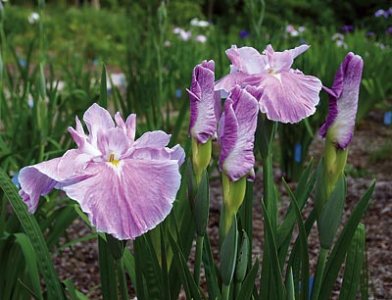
[{"x": 80, "y": 262}]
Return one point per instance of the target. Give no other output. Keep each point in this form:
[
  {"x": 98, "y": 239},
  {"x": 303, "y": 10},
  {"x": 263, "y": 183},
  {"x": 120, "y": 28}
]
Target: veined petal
[
  {"x": 343, "y": 101},
  {"x": 128, "y": 200},
  {"x": 176, "y": 153},
  {"x": 289, "y": 97},
  {"x": 202, "y": 124},
  {"x": 282, "y": 61},
  {"x": 129, "y": 126},
  {"x": 153, "y": 139},
  {"x": 236, "y": 133},
  {"x": 246, "y": 60},
  {"x": 226, "y": 83},
  {"x": 97, "y": 118},
  {"x": 38, "y": 180}
]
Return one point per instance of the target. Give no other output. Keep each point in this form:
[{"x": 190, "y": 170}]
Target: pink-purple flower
[
  {"x": 202, "y": 102},
  {"x": 343, "y": 102},
  {"x": 125, "y": 186},
  {"x": 236, "y": 132},
  {"x": 287, "y": 95}
]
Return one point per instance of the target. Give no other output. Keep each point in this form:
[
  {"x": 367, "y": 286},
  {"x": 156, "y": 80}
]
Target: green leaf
[
  {"x": 331, "y": 214},
  {"x": 210, "y": 271},
  {"x": 353, "y": 267},
  {"x": 276, "y": 282},
  {"x": 290, "y": 286},
  {"x": 129, "y": 263},
  {"x": 242, "y": 260},
  {"x": 190, "y": 287},
  {"x": 202, "y": 205},
  {"x": 107, "y": 270},
  {"x": 341, "y": 247},
  {"x": 103, "y": 99},
  {"x": 31, "y": 262},
  {"x": 303, "y": 245},
  {"x": 228, "y": 254},
  {"x": 249, "y": 283},
  {"x": 31, "y": 228},
  {"x": 73, "y": 293}
]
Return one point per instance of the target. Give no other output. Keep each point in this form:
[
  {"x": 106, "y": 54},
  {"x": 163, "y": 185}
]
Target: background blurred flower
[
  {"x": 244, "y": 34},
  {"x": 290, "y": 29},
  {"x": 381, "y": 13},
  {"x": 125, "y": 186},
  {"x": 199, "y": 23},
  {"x": 201, "y": 38},
  {"x": 347, "y": 28},
  {"x": 33, "y": 18}
]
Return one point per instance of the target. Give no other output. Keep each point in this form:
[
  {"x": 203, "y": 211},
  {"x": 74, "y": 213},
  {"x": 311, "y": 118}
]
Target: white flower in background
[
  {"x": 177, "y": 30},
  {"x": 167, "y": 44},
  {"x": 301, "y": 29},
  {"x": 201, "y": 38},
  {"x": 199, "y": 23},
  {"x": 182, "y": 34},
  {"x": 185, "y": 35},
  {"x": 30, "y": 101},
  {"x": 381, "y": 46},
  {"x": 337, "y": 36},
  {"x": 33, "y": 18},
  {"x": 341, "y": 44},
  {"x": 290, "y": 29}
]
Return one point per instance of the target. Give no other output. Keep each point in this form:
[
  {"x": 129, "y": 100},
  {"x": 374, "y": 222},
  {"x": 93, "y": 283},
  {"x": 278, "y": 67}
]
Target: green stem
[
  {"x": 319, "y": 272},
  {"x": 198, "y": 258},
  {"x": 237, "y": 289},
  {"x": 122, "y": 280},
  {"x": 225, "y": 292}
]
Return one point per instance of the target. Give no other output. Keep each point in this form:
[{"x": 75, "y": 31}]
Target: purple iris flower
[
  {"x": 381, "y": 13},
  {"x": 343, "y": 102},
  {"x": 236, "y": 132},
  {"x": 287, "y": 95},
  {"x": 347, "y": 28},
  {"x": 244, "y": 34},
  {"x": 125, "y": 186},
  {"x": 389, "y": 30},
  {"x": 202, "y": 102}
]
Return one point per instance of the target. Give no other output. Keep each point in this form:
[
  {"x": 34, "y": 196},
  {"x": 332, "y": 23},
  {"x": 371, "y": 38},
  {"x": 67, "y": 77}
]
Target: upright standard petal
[
  {"x": 343, "y": 101},
  {"x": 129, "y": 199},
  {"x": 236, "y": 132},
  {"x": 202, "y": 102}
]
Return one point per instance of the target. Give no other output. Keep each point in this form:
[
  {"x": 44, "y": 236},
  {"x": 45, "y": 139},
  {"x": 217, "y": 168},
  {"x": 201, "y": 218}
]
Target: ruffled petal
[
  {"x": 41, "y": 178},
  {"x": 282, "y": 61},
  {"x": 343, "y": 101},
  {"x": 246, "y": 60},
  {"x": 202, "y": 124},
  {"x": 226, "y": 83},
  {"x": 289, "y": 97},
  {"x": 152, "y": 139},
  {"x": 128, "y": 200},
  {"x": 236, "y": 133},
  {"x": 176, "y": 153}
]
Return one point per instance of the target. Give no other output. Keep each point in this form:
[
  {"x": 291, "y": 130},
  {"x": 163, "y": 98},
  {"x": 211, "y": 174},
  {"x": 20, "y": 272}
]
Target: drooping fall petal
[{"x": 343, "y": 101}]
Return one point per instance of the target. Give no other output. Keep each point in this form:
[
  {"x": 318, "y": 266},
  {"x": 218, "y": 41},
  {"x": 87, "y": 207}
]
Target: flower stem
[
  {"x": 198, "y": 258},
  {"x": 319, "y": 272}
]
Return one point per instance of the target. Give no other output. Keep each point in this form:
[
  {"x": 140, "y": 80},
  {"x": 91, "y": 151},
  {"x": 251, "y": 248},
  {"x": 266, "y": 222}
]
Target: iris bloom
[
  {"x": 287, "y": 95},
  {"x": 202, "y": 103},
  {"x": 343, "y": 101},
  {"x": 125, "y": 186},
  {"x": 236, "y": 132},
  {"x": 202, "y": 126}
]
